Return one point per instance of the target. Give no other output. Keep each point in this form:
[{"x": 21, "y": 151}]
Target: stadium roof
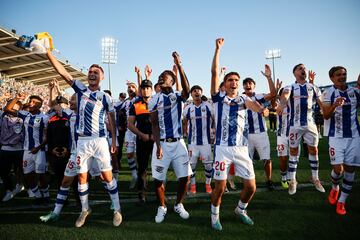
[{"x": 24, "y": 65}]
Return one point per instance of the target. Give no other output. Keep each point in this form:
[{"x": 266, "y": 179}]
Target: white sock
[
  {"x": 347, "y": 184},
  {"x": 242, "y": 206},
  {"x": 61, "y": 197},
  {"x": 215, "y": 212},
  {"x": 114, "y": 194},
  {"x": 314, "y": 165},
  {"x": 84, "y": 196}
]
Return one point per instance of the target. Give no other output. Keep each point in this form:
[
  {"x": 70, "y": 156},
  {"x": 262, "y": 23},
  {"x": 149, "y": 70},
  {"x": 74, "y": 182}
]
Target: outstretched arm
[
  {"x": 184, "y": 81},
  {"x": 177, "y": 83},
  {"x": 267, "y": 74},
  {"x": 148, "y": 72},
  {"x": 215, "y": 66},
  {"x": 9, "y": 107},
  {"x": 139, "y": 78},
  {"x": 59, "y": 68}
]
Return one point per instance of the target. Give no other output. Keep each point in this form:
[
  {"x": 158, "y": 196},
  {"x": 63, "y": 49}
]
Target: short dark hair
[
  {"x": 108, "y": 92},
  {"x": 36, "y": 97},
  {"x": 246, "y": 80},
  {"x": 168, "y": 72},
  {"x": 334, "y": 69},
  {"x": 296, "y": 66},
  {"x": 155, "y": 85},
  {"x": 221, "y": 84},
  {"x": 122, "y": 95},
  {"x": 195, "y": 87},
  {"x": 97, "y": 66},
  {"x": 229, "y": 74}
]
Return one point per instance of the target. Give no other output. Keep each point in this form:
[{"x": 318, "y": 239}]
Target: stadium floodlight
[
  {"x": 272, "y": 54},
  {"x": 109, "y": 53}
]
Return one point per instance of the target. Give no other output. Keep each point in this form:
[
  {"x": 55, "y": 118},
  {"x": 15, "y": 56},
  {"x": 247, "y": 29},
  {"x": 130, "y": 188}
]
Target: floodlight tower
[
  {"x": 109, "y": 53},
  {"x": 272, "y": 54}
]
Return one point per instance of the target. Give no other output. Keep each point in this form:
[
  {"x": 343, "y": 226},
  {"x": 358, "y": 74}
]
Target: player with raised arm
[
  {"x": 92, "y": 145},
  {"x": 340, "y": 103},
  {"x": 258, "y": 137},
  {"x": 299, "y": 99},
  {"x": 169, "y": 147},
  {"x": 231, "y": 144}
]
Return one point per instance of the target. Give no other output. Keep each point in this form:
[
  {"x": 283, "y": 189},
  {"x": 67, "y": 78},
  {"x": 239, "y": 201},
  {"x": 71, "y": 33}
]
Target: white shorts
[
  {"x": 201, "y": 152},
  {"x": 34, "y": 162},
  {"x": 260, "y": 142},
  {"x": 344, "y": 151},
  {"x": 309, "y": 133},
  {"x": 225, "y": 156},
  {"x": 93, "y": 150},
  {"x": 282, "y": 145},
  {"x": 130, "y": 141},
  {"x": 174, "y": 153},
  {"x": 71, "y": 169}
]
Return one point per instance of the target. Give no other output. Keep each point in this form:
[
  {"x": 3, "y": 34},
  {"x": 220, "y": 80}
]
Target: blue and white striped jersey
[
  {"x": 255, "y": 120},
  {"x": 127, "y": 105},
  {"x": 283, "y": 123},
  {"x": 230, "y": 120},
  {"x": 92, "y": 108},
  {"x": 35, "y": 126},
  {"x": 169, "y": 109},
  {"x": 71, "y": 115},
  {"x": 302, "y": 99},
  {"x": 344, "y": 122},
  {"x": 200, "y": 119}
]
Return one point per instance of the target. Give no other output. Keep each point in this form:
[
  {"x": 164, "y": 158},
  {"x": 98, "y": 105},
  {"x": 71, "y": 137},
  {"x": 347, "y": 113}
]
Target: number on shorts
[
  {"x": 332, "y": 152},
  {"x": 70, "y": 165},
  {"x": 24, "y": 163},
  {"x": 293, "y": 136},
  {"x": 78, "y": 160},
  {"x": 220, "y": 166},
  {"x": 280, "y": 147}
]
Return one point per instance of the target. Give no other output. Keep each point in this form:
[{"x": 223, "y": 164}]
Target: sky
[{"x": 320, "y": 34}]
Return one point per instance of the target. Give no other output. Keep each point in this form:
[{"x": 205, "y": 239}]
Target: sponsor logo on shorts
[{"x": 159, "y": 169}]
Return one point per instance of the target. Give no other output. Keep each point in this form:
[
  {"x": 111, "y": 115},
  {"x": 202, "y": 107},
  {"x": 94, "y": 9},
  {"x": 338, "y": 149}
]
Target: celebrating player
[
  {"x": 93, "y": 104},
  {"x": 169, "y": 147},
  {"x": 340, "y": 104},
  {"x": 231, "y": 141},
  {"x": 300, "y": 98}
]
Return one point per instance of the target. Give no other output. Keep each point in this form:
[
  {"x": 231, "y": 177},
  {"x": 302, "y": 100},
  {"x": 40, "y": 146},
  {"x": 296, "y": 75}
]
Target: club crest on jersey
[
  {"x": 99, "y": 98},
  {"x": 37, "y": 120},
  {"x": 203, "y": 110},
  {"x": 351, "y": 95},
  {"x": 173, "y": 97}
]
